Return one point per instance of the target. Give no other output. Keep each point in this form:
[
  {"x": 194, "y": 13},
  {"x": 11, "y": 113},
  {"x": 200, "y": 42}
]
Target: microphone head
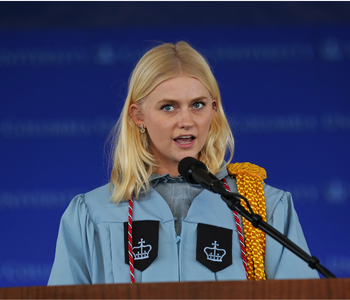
[{"x": 187, "y": 165}]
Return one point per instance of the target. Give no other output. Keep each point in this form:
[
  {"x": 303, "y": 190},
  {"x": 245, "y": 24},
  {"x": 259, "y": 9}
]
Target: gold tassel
[{"x": 250, "y": 180}]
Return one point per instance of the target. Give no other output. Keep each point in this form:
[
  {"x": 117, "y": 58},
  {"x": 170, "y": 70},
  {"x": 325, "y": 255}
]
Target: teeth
[
  {"x": 185, "y": 139},
  {"x": 185, "y": 143}
]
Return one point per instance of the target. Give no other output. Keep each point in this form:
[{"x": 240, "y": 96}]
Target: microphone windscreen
[{"x": 186, "y": 166}]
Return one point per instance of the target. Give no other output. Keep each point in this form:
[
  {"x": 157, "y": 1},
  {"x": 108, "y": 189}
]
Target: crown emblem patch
[
  {"x": 214, "y": 254},
  {"x": 144, "y": 241},
  {"x": 214, "y": 247},
  {"x": 141, "y": 252}
]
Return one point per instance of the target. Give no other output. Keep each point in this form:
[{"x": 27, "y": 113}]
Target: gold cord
[{"x": 250, "y": 180}]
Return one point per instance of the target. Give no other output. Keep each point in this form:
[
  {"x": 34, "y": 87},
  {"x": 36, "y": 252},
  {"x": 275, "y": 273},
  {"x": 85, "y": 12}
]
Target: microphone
[{"x": 197, "y": 172}]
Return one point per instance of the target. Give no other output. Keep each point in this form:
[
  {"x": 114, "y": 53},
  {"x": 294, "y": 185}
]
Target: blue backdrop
[{"x": 285, "y": 89}]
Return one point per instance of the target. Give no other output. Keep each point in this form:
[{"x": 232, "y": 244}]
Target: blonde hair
[{"x": 133, "y": 163}]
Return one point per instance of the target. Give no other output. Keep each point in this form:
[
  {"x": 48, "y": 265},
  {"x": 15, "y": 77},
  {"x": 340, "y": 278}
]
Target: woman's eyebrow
[
  {"x": 167, "y": 101},
  {"x": 172, "y": 101},
  {"x": 200, "y": 98}
]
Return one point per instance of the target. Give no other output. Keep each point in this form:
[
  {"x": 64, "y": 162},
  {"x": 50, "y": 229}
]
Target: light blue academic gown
[{"x": 90, "y": 244}]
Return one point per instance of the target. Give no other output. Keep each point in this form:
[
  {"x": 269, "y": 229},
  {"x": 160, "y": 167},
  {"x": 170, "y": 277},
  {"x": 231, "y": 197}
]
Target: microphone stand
[{"x": 233, "y": 202}]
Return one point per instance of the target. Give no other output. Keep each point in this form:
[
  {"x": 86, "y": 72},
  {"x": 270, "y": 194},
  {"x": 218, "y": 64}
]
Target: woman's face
[{"x": 177, "y": 116}]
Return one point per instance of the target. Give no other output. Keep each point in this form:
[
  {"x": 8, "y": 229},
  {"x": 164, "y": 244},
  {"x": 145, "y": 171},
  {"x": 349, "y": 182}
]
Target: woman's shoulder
[
  {"x": 273, "y": 195},
  {"x": 248, "y": 174},
  {"x": 100, "y": 194},
  {"x": 96, "y": 205},
  {"x": 276, "y": 197}
]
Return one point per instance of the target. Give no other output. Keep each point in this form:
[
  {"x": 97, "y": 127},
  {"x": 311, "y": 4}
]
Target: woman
[{"x": 151, "y": 225}]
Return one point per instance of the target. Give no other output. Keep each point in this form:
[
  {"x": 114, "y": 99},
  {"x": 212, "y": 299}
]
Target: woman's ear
[
  {"x": 136, "y": 114},
  {"x": 215, "y": 104}
]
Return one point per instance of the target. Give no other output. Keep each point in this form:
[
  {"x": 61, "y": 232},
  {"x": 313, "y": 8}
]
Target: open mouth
[{"x": 184, "y": 139}]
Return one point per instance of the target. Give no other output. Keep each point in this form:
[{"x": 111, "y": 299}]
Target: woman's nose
[{"x": 185, "y": 119}]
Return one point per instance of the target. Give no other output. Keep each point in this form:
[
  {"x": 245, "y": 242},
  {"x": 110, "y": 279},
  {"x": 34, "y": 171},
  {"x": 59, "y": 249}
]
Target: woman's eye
[
  {"x": 198, "y": 105},
  {"x": 168, "y": 107}
]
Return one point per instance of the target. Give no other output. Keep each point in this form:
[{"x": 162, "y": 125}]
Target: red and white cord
[
  {"x": 240, "y": 233},
  {"x": 130, "y": 251}
]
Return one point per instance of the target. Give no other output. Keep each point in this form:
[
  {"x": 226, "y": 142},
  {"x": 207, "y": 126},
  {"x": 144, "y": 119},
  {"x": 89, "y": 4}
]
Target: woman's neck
[{"x": 172, "y": 170}]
